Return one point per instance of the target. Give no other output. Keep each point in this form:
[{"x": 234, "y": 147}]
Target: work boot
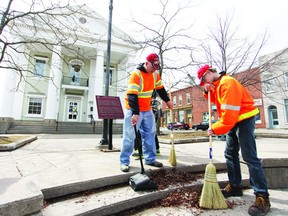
[
  {"x": 155, "y": 164},
  {"x": 158, "y": 152},
  {"x": 124, "y": 168},
  {"x": 229, "y": 191},
  {"x": 260, "y": 207}
]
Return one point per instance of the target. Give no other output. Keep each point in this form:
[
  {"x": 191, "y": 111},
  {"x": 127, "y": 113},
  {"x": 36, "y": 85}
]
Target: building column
[
  {"x": 7, "y": 87},
  {"x": 8, "y": 84},
  {"x": 54, "y": 86},
  {"x": 96, "y": 82},
  {"x": 19, "y": 94}
]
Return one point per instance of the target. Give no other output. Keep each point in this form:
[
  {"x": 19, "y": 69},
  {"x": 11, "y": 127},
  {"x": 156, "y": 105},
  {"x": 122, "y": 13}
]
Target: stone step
[
  {"x": 59, "y": 128},
  {"x": 19, "y": 196},
  {"x": 22, "y": 196},
  {"x": 118, "y": 199}
]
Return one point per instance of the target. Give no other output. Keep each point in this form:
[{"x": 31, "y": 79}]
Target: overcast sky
[{"x": 253, "y": 16}]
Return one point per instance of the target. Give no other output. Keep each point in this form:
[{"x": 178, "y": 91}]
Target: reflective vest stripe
[
  {"x": 230, "y": 107},
  {"x": 146, "y": 94},
  {"x": 248, "y": 114}
]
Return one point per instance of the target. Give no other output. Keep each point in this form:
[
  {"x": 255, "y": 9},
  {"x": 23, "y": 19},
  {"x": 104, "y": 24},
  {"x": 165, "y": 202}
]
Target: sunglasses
[{"x": 156, "y": 65}]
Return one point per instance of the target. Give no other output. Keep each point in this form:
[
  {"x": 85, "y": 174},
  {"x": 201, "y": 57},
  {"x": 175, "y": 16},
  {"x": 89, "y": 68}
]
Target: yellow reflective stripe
[
  {"x": 155, "y": 79},
  {"x": 248, "y": 114},
  {"x": 141, "y": 81},
  {"x": 143, "y": 97},
  {"x": 133, "y": 87},
  {"x": 145, "y": 94},
  {"x": 230, "y": 107}
]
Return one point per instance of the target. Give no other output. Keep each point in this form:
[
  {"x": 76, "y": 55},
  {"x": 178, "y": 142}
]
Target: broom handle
[
  {"x": 169, "y": 89},
  {"x": 210, "y": 125}
]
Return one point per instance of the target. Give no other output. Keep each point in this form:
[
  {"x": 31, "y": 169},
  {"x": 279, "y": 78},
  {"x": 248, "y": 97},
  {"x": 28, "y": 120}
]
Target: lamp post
[{"x": 104, "y": 140}]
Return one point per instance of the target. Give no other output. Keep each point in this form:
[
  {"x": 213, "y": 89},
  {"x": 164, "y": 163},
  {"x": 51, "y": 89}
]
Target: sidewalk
[{"x": 54, "y": 164}]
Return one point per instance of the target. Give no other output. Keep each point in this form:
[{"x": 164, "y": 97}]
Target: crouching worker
[{"x": 237, "y": 112}]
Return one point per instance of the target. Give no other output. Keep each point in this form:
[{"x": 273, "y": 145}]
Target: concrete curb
[
  {"x": 17, "y": 144},
  {"x": 19, "y": 196},
  {"x": 29, "y": 199},
  {"x": 124, "y": 198}
]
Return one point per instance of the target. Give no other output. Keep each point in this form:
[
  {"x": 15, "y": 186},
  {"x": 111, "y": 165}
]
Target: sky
[
  {"x": 251, "y": 17},
  {"x": 254, "y": 17}
]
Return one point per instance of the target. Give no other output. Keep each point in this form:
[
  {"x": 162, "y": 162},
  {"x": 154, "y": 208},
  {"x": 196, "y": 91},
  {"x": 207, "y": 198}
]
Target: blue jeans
[
  {"x": 242, "y": 136},
  {"x": 146, "y": 126}
]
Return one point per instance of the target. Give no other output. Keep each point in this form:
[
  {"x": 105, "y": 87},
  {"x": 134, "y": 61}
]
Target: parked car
[
  {"x": 178, "y": 126},
  {"x": 202, "y": 126}
]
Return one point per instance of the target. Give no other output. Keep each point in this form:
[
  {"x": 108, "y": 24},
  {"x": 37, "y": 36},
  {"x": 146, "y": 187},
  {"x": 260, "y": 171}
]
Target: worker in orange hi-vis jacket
[
  {"x": 139, "y": 112},
  {"x": 237, "y": 112}
]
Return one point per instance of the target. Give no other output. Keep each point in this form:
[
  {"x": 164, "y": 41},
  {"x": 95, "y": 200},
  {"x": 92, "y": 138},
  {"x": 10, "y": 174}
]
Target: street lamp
[{"x": 104, "y": 140}]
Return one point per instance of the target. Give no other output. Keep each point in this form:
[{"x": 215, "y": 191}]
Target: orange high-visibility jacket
[
  {"x": 233, "y": 103},
  {"x": 143, "y": 84}
]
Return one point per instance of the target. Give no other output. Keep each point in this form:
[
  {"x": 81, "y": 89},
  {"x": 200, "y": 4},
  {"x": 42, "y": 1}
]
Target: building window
[
  {"x": 179, "y": 100},
  {"x": 286, "y": 109},
  {"x": 188, "y": 98},
  {"x": 269, "y": 84},
  {"x": 40, "y": 66},
  {"x": 35, "y": 106},
  {"x": 174, "y": 101},
  {"x": 205, "y": 117},
  {"x": 110, "y": 76}
]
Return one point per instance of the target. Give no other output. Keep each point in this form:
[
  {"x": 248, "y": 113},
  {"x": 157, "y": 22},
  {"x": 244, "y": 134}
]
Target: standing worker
[
  {"x": 237, "y": 112},
  {"x": 138, "y": 111}
]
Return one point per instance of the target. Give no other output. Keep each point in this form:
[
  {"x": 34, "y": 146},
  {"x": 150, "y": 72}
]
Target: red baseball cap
[
  {"x": 153, "y": 58},
  {"x": 201, "y": 72}
]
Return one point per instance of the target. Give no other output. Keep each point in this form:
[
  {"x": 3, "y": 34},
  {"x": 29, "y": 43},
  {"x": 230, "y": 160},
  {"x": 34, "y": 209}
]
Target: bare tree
[
  {"x": 46, "y": 26},
  {"x": 226, "y": 50},
  {"x": 170, "y": 37}
]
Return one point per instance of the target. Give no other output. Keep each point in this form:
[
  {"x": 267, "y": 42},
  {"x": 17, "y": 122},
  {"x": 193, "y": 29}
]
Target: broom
[
  {"x": 172, "y": 156},
  {"x": 211, "y": 195}
]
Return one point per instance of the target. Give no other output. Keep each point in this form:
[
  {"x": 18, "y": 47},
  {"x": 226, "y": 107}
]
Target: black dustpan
[{"x": 141, "y": 181}]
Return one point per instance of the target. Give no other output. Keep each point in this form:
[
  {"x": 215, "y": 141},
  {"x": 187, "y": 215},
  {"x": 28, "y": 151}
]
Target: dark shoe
[
  {"x": 136, "y": 155},
  {"x": 155, "y": 164},
  {"x": 124, "y": 168},
  {"x": 260, "y": 207},
  {"x": 229, "y": 191},
  {"x": 158, "y": 152}
]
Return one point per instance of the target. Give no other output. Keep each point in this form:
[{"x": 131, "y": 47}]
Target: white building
[
  {"x": 62, "y": 70},
  {"x": 274, "y": 76}
]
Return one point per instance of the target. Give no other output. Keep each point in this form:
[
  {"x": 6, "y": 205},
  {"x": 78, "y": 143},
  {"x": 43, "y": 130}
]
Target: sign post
[{"x": 109, "y": 107}]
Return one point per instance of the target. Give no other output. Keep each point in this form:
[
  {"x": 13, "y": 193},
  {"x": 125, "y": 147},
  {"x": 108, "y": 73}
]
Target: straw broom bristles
[
  {"x": 172, "y": 156},
  {"x": 211, "y": 196}
]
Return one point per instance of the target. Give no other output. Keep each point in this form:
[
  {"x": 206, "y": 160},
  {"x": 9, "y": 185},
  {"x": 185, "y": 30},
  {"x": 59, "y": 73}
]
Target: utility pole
[{"x": 104, "y": 140}]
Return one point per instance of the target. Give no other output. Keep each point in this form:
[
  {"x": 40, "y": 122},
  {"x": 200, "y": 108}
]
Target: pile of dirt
[
  {"x": 167, "y": 178},
  {"x": 184, "y": 197}
]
